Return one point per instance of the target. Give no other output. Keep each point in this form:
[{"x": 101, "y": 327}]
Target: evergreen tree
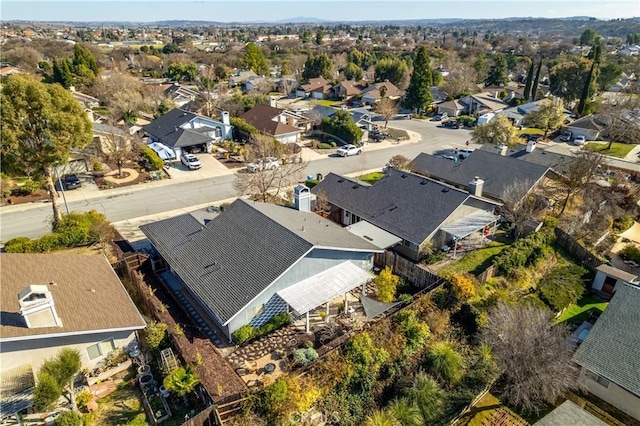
[
  {"x": 419, "y": 94},
  {"x": 498, "y": 74},
  {"x": 84, "y": 56},
  {"x": 596, "y": 56},
  {"x": 254, "y": 59},
  {"x": 353, "y": 72},
  {"x": 529, "y": 84},
  {"x": 317, "y": 66},
  {"x": 534, "y": 88}
]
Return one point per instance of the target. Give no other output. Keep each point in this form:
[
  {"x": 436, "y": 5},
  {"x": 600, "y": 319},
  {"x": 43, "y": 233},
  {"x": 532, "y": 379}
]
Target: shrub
[
  {"x": 341, "y": 124},
  {"x": 46, "y": 392},
  {"x": 311, "y": 183},
  {"x": 446, "y": 362},
  {"x": 562, "y": 286},
  {"x": 97, "y": 166},
  {"x": 152, "y": 157},
  {"x": 29, "y": 187},
  {"x": 324, "y": 146},
  {"x": 386, "y": 283},
  {"x": 466, "y": 120},
  {"x": 156, "y": 333},
  {"x": 621, "y": 224},
  {"x": 243, "y": 334},
  {"x": 305, "y": 356},
  {"x": 630, "y": 252},
  {"x": 83, "y": 398},
  {"x": 415, "y": 331},
  {"x": 242, "y": 129},
  {"x": 462, "y": 286},
  {"x": 525, "y": 251},
  {"x": 68, "y": 418},
  {"x": 276, "y": 322},
  {"x": 333, "y": 144}
]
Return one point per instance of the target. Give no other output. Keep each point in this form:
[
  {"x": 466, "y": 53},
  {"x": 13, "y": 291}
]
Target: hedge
[
  {"x": 152, "y": 157},
  {"x": 242, "y": 129},
  {"x": 524, "y": 251},
  {"x": 248, "y": 332},
  {"x": 75, "y": 229}
]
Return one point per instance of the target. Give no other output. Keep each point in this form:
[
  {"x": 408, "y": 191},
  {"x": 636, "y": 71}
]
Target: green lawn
[
  {"x": 580, "y": 311},
  {"x": 371, "y": 178},
  {"x": 327, "y": 102},
  {"x": 479, "y": 260},
  {"x": 530, "y": 131},
  {"x": 619, "y": 150}
]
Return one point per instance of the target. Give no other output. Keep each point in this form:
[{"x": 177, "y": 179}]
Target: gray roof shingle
[
  {"x": 167, "y": 129},
  {"x": 243, "y": 250},
  {"x": 497, "y": 171},
  {"x": 556, "y": 162},
  {"x": 612, "y": 348},
  {"x": 404, "y": 204}
]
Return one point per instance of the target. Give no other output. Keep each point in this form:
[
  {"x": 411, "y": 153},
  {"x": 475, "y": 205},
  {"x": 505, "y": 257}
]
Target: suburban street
[{"x": 32, "y": 220}]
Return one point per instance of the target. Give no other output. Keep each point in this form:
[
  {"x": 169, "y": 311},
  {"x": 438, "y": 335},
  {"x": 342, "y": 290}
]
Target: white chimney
[
  {"x": 37, "y": 308},
  {"x": 531, "y": 145},
  {"x": 225, "y": 118},
  {"x": 503, "y": 149},
  {"x": 272, "y": 102},
  {"x": 495, "y": 94},
  {"x": 476, "y": 186},
  {"x": 302, "y": 198}
]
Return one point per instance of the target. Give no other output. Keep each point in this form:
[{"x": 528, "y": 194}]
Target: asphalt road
[{"x": 120, "y": 205}]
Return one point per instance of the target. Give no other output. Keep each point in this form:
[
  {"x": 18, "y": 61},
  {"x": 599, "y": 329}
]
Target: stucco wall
[
  {"x": 613, "y": 394},
  {"x": 14, "y": 354}
]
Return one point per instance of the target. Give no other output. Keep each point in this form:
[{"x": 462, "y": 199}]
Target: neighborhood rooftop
[
  {"x": 239, "y": 253},
  {"x": 85, "y": 289},
  {"x": 265, "y": 119},
  {"x": 167, "y": 129},
  {"x": 497, "y": 171}
]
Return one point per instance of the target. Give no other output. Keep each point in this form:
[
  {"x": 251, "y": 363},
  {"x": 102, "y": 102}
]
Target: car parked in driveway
[
  {"x": 349, "y": 150},
  {"x": 71, "y": 182},
  {"x": 579, "y": 140},
  {"x": 566, "y": 136},
  {"x": 191, "y": 161},
  {"x": 440, "y": 117},
  {"x": 452, "y": 124},
  {"x": 268, "y": 163}
]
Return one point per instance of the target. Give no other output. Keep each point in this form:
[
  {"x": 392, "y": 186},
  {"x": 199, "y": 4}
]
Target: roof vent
[
  {"x": 445, "y": 189},
  {"x": 355, "y": 186},
  {"x": 340, "y": 180},
  {"x": 424, "y": 182},
  {"x": 403, "y": 176}
]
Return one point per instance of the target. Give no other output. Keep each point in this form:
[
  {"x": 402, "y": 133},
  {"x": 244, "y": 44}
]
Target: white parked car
[
  {"x": 579, "y": 140},
  {"x": 191, "y": 161},
  {"x": 349, "y": 150},
  {"x": 268, "y": 163},
  {"x": 463, "y": 153}
]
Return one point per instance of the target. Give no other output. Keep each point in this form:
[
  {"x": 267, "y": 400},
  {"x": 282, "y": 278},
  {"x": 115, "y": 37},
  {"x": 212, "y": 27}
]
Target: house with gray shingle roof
[
  {"x": 418, "y": 210},
  {"x": 55, "y": 301},
  {"x": 184, "y": 131},
  {"x": 610, "y": 354},
  {"x": 255, "y": 260}
]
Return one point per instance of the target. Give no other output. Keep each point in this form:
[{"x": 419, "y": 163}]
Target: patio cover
[
  {"x": 376, "y": 236},
  {"x": 373, "y": 308},
  {"x": 16, "y": 389},
  {"x": 162, "y": 150},
  {"x": 319, "y": 289},
  {"x": 469, "y": 224}
]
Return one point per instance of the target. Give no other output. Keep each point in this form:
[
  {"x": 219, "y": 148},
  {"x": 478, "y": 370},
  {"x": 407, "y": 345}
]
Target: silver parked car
[
  {"x": 268, "y": 163},
  {"x": 349, "y": 150}
]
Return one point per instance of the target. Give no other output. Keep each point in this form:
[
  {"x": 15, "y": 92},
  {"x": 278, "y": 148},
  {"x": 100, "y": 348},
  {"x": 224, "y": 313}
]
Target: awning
[
  {"x": 163, "y": 151},
  {"x": 470, "y": 224},
  {"x": 373, "y": 308},
  {"x": 632, "y": 233},
  {"x": 321, "y": 288},
  {"x": 376, "y": 236}
]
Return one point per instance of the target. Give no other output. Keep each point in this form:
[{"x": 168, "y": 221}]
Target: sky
[{"x": 266, "y": 10}]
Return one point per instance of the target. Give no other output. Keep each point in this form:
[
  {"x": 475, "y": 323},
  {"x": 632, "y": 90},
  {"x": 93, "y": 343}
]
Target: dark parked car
[
  {"x": 566, "y": 137},
  {"x": 378, "y": 136},
  {"x": 452, "y": 124},
  {"x": 71, "y": 182}
]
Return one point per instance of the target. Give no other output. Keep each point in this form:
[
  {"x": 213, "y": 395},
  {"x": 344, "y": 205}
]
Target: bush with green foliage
[
  {"x": 68, "y": 418},
  {"x": 242, "y": 129},
  {"x": 341, "y": 124},
  {"x": 621, "y": 224},
  {"x": 630, "y": 252},
  {"x": 386, "y": 283},
  {"x": 83, "y": 398},
  {"x": 74, "y": 230},
  {"x": 248, "y": 332},
  {"x": 46, "y": 392},
  {"x": 311, "y": 183},
  {"x": 563, "y": 286},
  {"x": 415, "y": 331},
  {"x": 323, "y": 145},
  {"x": 446, "y": 362},
  {"x": 525, "y": 251},
  {"x": 156, "y": 333},
  {"x": 29, "y": 187},
  {"x": 152, "y": 157},
  {"x": 466, "y": 120},
  {"x": 97, "y": 166},
  {"x": 305, "y": 356}
]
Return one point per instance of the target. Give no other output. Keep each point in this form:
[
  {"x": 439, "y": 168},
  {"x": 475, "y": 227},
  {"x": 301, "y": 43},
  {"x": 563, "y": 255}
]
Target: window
[
  {"x": 100, "y": 349},
  {"x": 255, "y": 311},
  {"x": 597, "y": 378}
]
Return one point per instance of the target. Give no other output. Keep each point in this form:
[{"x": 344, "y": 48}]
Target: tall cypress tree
[
  {"x": 419, "y": 93},
  {"x": 596, "y": 56},
  {"x": 534, "y": 88},
  {"x": 529, "y": 84}
]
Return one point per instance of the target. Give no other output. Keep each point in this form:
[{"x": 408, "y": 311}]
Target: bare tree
[
  {"x": 621, "y": 119},
  {"x": 399, "y": 162},
  {"x": 267, "y": 184},
  {"x": 117, "y": 147},
  {"x": 387, "y": 108},
  {"x": 322, "y": 202},
  {"x": 520, "y": 204},
  {"x": 579, "y": 171},
  {"x": 206, "y": 82},
  {"x": 533, "y": 354}
]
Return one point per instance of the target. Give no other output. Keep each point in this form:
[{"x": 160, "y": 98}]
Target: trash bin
[
  {"x": 309, "y": 177},
  {"x": 319, "y": 176}
]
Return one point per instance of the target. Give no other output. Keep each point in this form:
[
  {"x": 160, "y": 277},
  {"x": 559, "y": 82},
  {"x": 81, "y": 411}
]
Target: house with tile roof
[
  {"x": 274, "y": 122},
  {"x": 609, "y": 355},
  {"x": 183, "y": 131},
  {"x": 55, "y": 301},
  {"x": 255, "y": 260},
  {"x": 419, "y": 211}
]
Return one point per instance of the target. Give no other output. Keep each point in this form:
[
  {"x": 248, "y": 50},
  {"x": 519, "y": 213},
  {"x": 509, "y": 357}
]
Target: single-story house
[
  {"x": 438, "y": 95},
  {"x": 107, "y": 138},
  {"x": 569, "y": 413},
  {"x": 275, "y": 122},
  {"x": 452, "y": 108},
  {"x": 629, "y": 50},
  {"x": 609, "y": 355},
  {"x": 55, "y": 301},
  {"x": 589, "y": 126},
  {"x": 608, "y": 279},
  {"x": 557, "y": 163},
  {"x": 518, "y": 113},
  {"x": 180, "y": 95},
  {"x": 317, "y": 88},
  {"x": 483, "y": 103},
  {"x": 347, "y": 89},
  {"x": 85, "y": 100},
  {"x": 181, "y": 130},
  {"x": 497, "y": 172},
  {"x": 255, "y": 260},
  {"x": 240, "y": 77},
  {"x": 626, "y": 80},
  {"x": 372, "y": 93},
  {"x": 418, "y": 210}
]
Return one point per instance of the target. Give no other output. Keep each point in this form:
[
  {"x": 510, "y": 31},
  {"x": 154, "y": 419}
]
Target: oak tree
[{"x": 498, "y": 131}]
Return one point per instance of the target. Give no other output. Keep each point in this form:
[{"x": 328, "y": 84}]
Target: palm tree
[
  {"x": 182, "y": 381},
  {"x": 427, "y": 396},
  {"x": 406, "y": 412},
  {"x": 381, "y": 418}
]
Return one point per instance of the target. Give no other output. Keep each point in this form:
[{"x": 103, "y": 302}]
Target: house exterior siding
[
  {"x": 288, "y": 138},
  {"x": 316, "y": 261},
  {"x": 37, "y": 350},
  {"x": 611, "y": 393}
]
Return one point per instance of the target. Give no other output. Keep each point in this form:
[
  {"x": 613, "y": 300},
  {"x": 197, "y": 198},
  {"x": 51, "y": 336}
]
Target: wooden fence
[
  {"x": 485, "y": 275},
  {"x": 418, "y": 277},
  {"x": 577, "y": 251}
]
